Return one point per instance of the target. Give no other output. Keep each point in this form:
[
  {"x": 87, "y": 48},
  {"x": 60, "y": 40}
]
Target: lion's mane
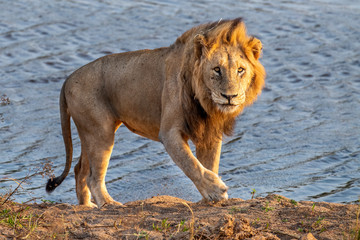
[{"x": 204, "y": 123}]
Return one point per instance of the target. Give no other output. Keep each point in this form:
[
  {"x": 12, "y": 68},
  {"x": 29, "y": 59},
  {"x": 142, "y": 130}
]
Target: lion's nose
[{"x": 229, "y": 97}]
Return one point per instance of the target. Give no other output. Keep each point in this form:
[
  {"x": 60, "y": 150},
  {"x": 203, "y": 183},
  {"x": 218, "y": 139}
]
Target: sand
[{"x": 166, "y": 217}]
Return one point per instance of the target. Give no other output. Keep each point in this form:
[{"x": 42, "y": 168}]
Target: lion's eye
[
  {"x": 217, "y": 70},
  {"x": 241, "y": 70}
]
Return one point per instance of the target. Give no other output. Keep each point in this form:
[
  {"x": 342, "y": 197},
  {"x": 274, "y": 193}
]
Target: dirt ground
[{"x": 165, "y": 217}]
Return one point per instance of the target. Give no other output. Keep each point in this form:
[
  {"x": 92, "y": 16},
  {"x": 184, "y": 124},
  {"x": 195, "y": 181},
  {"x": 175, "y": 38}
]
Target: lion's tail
[{"x": 66, "y": 132}]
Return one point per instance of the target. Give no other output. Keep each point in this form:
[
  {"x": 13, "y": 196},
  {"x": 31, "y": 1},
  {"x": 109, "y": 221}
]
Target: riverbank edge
[{"x": 166, "y": 217}]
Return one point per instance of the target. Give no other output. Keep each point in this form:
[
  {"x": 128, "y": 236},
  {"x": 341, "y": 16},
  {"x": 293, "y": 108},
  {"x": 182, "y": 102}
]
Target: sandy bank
[{"x": 165, "y": 217}]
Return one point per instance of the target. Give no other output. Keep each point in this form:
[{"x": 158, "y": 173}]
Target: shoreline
[{"x": 166, "y": 217}]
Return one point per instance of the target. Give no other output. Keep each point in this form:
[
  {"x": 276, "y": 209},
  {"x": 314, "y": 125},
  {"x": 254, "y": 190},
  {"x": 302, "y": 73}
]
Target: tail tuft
[{"x": 53, "y": 183}]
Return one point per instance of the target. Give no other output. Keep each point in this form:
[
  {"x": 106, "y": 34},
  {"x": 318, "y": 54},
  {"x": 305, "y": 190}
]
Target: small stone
[{"x": 308, "y": 236}]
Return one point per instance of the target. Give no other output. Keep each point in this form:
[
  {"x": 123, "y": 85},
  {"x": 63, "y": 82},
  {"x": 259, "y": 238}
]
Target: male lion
[{"x": 192, "y": 90}]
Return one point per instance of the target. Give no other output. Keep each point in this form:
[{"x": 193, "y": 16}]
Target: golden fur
[{"x": 193, "y": 90}]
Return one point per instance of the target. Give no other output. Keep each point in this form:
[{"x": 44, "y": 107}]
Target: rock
[{"x": 308, "y": 236}]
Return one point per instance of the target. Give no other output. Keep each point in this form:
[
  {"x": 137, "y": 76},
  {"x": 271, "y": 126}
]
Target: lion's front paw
[
  {"x": 213, "y": 189},
  {"x": 112, "y": 203}
]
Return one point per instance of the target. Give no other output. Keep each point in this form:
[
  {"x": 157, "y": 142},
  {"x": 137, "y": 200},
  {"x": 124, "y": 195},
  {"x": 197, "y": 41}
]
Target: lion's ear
[
  {"x": 199, "y": 44},
  {"x": 256, "y": 47}
]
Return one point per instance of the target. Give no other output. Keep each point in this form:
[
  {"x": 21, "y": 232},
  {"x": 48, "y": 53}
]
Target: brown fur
[{"x": 193, "y": 90}]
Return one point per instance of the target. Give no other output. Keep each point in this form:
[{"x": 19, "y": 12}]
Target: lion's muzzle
[{"x": 228, "y": 102}]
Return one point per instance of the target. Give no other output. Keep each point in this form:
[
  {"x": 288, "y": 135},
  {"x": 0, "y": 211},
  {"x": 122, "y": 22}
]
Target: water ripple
[{"x": 300, "y": 139}]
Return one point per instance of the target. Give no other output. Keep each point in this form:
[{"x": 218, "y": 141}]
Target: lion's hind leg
[
  {"x": 82, "y": 171},
  {"x": 98, "y": 142}
]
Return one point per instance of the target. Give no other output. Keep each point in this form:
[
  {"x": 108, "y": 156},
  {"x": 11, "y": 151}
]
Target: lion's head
[
  {"x": 225, "y": 75},
  {"x": 227, "y": 67}
]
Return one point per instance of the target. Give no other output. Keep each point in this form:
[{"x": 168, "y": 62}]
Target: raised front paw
[{"x": 212, "y": 188}]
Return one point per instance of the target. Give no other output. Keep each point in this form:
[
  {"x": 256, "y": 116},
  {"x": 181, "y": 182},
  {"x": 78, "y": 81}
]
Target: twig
[
  {"x": 97, "y": 226},
  {"x": 192, "y": 223},
  {"x": 33, "y": 199},
  {"x": 19, "y": 184}
]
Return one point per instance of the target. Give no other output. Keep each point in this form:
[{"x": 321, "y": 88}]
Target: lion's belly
[
  {"x": 151, "y": 132},
  {"x": 142, "y": 116}
]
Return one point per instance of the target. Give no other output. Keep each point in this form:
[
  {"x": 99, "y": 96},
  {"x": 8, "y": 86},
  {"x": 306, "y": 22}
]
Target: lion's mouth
[
  {"x": 227, "y": 107},
  {"x": 226, "y": 104}
]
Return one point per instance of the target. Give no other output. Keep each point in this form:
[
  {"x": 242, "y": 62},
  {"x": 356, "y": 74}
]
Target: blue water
[{"x": 300, "y": 139}]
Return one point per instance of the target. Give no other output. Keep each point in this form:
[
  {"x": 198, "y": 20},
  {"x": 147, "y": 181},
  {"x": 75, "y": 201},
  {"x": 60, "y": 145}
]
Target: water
[{"x": 300, "y": 139}]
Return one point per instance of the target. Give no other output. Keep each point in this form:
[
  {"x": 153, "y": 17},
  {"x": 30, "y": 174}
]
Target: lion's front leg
[
  {"x": 209, "y": 155},
  {"x": 211, "y": 187}
]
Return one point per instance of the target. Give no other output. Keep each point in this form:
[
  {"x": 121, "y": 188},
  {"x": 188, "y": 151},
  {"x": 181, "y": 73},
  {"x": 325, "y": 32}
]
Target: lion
[{"x": 192, "y": 90}]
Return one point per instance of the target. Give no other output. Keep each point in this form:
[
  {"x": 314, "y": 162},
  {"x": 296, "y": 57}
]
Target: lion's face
[{"x": 227, "y": 74}]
